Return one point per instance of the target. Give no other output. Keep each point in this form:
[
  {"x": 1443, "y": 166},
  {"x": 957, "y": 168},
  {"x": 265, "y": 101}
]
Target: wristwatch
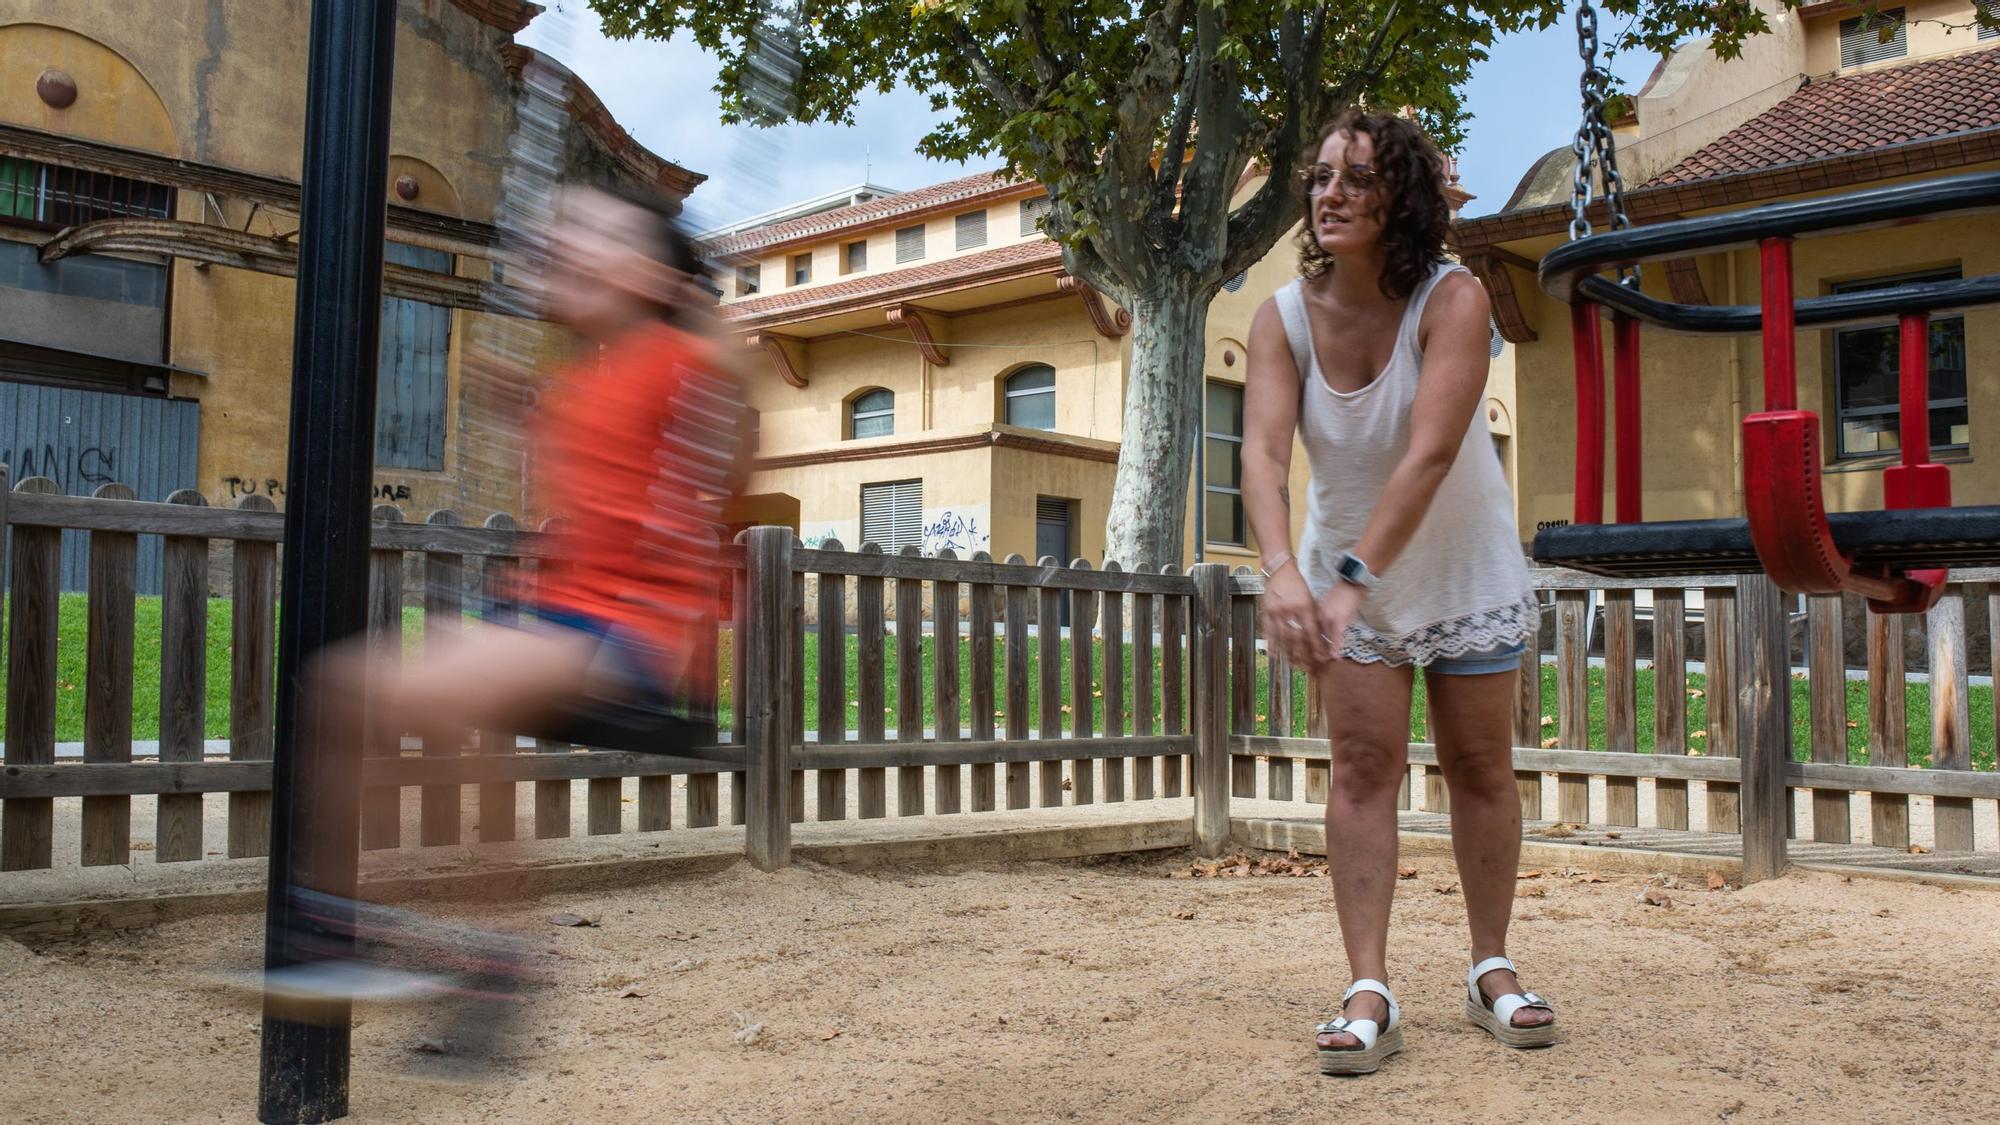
[{"x": 1354, "y": 572}]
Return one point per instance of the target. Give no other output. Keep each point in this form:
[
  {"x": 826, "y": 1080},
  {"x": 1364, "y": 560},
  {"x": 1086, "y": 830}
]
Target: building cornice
[{"x": 999, "y": 437}]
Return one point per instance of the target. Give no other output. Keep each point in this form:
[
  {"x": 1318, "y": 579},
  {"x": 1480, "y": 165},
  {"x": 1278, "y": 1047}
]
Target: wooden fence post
[
  {"x": 1209, "y": 611},
  {"x": 1763, "y": 724},
  {"x": 1951, "y": 719},
  {"x": 1670, "y": 795},
  {"x": 107, "y": 714},
  {"x": 1572, "y": 700},
  {"x": 253, "y": 623},
  {"x": 832, "y": 685},
  {"x": 766, "y": 695},
  {"x": 27, "y": 824},
  {"x": 177, "y": 825},
  {"x": 1826, "y": 680},
  {"x": 1888, "y": 727}
]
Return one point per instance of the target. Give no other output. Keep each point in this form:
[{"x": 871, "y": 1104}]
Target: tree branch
[
  {"x": 1048, "y": 67},
  {"x": 1017, "y": 99}
]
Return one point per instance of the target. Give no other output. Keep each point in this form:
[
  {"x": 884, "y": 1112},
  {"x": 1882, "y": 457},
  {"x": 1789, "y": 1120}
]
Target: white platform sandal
[
  {"x": 1497, "y": 1017},
  {"x": 1377, "y": 1042}
]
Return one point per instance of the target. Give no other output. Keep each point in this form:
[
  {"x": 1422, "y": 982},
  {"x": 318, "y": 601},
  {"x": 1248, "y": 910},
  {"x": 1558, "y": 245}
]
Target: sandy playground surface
[{"x": 1102, "y": 991}]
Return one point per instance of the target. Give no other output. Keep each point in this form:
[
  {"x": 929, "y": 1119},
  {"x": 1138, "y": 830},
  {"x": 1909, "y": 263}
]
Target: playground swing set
[{"x": 1898, "y": 558}]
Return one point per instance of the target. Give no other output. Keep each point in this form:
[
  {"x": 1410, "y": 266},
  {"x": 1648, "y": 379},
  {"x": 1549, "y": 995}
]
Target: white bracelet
[{"x": 1271, "y": 569}]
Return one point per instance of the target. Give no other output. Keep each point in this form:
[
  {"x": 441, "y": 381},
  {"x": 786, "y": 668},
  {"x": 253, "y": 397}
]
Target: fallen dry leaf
[
  {"x": 1406, "y": 873},
  {"x": 1065, "y": 784},
  {"x": 834, "y": 1034},
  {"x": 1446, "y": 888},
  {"x": 633, "y": 992},
  {"x": 1919, "y": 849},
  {"x": 1716, "y": 882},
  {"x": 747, "y": 1033},
  {"x": 1548, "y": 720},
  {"x": 1527, "y": 874},
  {"x": 1184, "y": 915},
  {"x": 1654, "y": 896},
  {"x": 567, "y": 919},
  {"x": 1613, "y": 836},
  {"x": 1587, "y": 877},
  {"x": 683, "y": 965},
  {"x": 1550, "y": 743},
  {"x": 1558, "y": 831},
  {"x": 1536, "y": 891},
  {"x": 1696, "y": 693}
]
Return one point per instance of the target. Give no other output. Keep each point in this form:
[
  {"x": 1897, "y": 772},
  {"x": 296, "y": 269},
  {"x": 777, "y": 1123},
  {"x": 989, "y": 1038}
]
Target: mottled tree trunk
[{"x": 1162, "y": 421}]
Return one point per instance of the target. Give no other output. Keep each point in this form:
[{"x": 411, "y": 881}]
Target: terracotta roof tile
[
  {"x": 1855, "y": 113},
  {"x": 963, "y": 189},
  {"x": 1001, "y": 259}
]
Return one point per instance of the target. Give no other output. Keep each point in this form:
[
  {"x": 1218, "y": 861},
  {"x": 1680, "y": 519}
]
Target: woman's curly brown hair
[{"x": 1409, "y": 191}]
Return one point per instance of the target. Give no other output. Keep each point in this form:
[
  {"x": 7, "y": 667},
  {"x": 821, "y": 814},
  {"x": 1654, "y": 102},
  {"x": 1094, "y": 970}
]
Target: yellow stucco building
[
  {"x": 925, "y": 373},
  {"x": 1827, "y": 103},
  {"x": 149, "y": 164}
]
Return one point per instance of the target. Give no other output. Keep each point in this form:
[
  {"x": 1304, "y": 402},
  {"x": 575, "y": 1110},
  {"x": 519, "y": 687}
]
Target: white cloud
[{"x": 664, "y": 94}]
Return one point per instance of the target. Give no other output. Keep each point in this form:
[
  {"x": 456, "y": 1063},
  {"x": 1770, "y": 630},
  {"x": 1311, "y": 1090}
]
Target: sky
[{"x": 663, "y": 93}]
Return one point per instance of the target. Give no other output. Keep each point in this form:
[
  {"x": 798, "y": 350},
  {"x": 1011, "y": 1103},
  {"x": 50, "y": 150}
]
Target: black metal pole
[{"x": 315, "y": 808}]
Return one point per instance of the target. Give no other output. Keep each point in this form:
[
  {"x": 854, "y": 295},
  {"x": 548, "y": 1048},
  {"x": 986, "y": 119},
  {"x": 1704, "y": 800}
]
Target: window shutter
[
  {"x": 892, "y": 515},
  {"x": 1032, "y": 211},
  {"x": 857, "y": 256},
  {"x": 1051, "y": 509},
  {"x": 971, "y": 230},
  {"x": 909, "y": 245},
  {"x": 1988, "y": 12},
  {"x": 1861, "y": 39}
]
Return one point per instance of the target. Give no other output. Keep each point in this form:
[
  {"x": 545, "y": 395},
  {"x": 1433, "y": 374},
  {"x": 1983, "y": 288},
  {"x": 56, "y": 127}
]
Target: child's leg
[{"x": 490, "y": 677}]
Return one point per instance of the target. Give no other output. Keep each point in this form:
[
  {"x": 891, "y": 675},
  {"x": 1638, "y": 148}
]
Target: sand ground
[{"x": 1100, "y": 991}]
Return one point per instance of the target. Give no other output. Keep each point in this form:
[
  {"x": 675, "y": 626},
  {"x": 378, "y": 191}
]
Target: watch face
[{"x": 1350, "y": 568}]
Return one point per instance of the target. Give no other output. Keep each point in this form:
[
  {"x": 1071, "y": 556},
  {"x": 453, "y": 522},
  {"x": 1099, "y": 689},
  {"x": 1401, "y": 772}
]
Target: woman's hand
[
  {"x": 1291, "y": 615},
  {"x": 1336, "y": 611}
]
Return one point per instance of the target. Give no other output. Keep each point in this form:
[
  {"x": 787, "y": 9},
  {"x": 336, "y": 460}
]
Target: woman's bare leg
[
  {"x": 1473, "y": 720},
  {"x": 1368, "y": 712}
]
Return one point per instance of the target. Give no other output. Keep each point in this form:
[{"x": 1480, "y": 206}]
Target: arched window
[
  {"x": 1031, "y": 397},
  {"x": 872, "y": 414}
]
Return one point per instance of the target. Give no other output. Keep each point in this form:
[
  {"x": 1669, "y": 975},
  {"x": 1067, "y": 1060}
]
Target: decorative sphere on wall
[
  {"x": 56, "y": 89},
  {"x": 406, "y": 188}
]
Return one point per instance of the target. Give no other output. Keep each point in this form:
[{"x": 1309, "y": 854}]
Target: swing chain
[{"x": 1595, "y": 148}]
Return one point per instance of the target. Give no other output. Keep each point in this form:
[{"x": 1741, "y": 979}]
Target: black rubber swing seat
[{"x": 1911, "y": 539}]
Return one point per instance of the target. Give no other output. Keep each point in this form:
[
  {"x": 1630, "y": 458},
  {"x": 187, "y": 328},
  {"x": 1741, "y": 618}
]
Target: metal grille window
[
  {"x": 1873, "y": 38},
  {"x": 54, "y": 196},
  {"x": 1865, "y": 362},
  {"x": 749, "y": 279},
  {"x": 1235, "y": 284},
  {"x": 1032, "y": 211},
  {"x": 1222, "y": 430},
  {"x": 909, "y": 245},
  {"x": 802, "y": 268},
  {"x": 1988, "y": 13},
  {"x": 857, "y": 257},
  {"x": 872, "y": 414},
  {"x": 892, "y": 515},
  {"x": 971, "y": 230},
  {"x": 410, "y": 383},
  {"x": 1031, "y": 397}
]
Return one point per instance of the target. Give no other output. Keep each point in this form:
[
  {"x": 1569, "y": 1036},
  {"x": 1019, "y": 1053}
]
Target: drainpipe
[{"x": 1735, "y": 395}]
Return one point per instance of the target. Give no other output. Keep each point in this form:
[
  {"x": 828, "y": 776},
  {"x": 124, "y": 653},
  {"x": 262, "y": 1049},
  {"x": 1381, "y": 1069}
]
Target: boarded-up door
[{"x": 83, "y": 439}]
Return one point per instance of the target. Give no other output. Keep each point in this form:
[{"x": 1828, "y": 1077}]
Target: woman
[{"x": 1376, "y": 360}]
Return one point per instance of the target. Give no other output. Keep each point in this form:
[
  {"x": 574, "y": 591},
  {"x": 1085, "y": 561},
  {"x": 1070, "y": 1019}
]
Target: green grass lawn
[{"x": 72, "y": 647}]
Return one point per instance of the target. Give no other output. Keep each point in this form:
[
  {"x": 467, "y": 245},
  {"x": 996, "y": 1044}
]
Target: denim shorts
[
  {"x": 1484, "y": 662},
  {"x": 631, "y": 709}
]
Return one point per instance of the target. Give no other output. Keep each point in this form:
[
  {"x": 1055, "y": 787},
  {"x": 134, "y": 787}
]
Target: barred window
[{"x": 55, "y": 196}]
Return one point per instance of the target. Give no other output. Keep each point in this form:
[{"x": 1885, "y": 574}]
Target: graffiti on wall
[
  {"x": 76, "y": 472},
  {"x": 960, "y": 532}
]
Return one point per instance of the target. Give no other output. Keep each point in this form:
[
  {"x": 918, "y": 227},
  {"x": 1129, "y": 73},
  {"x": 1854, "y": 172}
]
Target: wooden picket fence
[{"x": 1007, "y": 719}]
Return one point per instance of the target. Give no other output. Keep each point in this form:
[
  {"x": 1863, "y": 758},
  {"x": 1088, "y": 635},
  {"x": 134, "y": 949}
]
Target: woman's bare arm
[{"x": 1270, "y": 421}]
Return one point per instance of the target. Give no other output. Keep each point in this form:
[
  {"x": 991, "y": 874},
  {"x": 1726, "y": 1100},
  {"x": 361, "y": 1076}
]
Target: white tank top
[{"x": 1461, "y": 585}]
